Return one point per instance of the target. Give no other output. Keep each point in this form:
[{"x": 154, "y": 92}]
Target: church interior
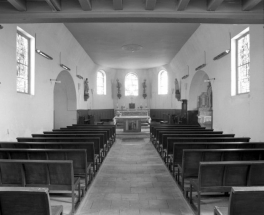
[{"x": 179, "y": 63}]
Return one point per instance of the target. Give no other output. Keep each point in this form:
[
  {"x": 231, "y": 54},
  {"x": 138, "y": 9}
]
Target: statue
[
  {"x": 177, "y": 90},
  {"x": 118, "y": 85},
  {"x": 86, "y": 90}
]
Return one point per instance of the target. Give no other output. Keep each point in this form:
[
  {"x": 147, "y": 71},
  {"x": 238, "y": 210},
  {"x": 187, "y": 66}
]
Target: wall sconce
[
  {"x": 186, "y": 76},
  {"x": 118, "y": 85},
  {"x": 209, "y": 80},
  {"x": 203, "y": 65},
  {"x": 55, "y": 81},
  {"x": 78, "y": 76},
  {"x": 43, "y": 54},
  {"x": 226, "y": 52},
  {"x": 144, "y": 89},
  {"x": 63, "y": 66}
]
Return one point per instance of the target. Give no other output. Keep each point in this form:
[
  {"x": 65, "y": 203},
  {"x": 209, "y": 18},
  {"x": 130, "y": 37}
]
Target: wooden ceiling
[{"x": 176, "y": 11}]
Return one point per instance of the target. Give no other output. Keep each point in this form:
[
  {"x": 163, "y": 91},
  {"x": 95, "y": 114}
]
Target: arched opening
[
  {"x": 65, "y": 103},
  {"x": 201, "y": 98}
]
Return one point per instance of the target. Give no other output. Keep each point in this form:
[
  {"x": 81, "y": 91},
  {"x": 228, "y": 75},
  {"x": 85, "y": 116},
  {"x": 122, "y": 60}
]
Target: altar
[{"x": 132, "y": 118}]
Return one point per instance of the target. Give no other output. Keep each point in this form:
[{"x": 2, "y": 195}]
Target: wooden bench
[
  {"x": 27, "y": 201},
  {"x": 89, "y": 137},
  {"x": 98, "y": 148},
  {"x": 222, "y": 176},
  {"x": 81, "y": 166},
  {"x": 84, "y": 127},
  {"x": 89, "y": 147},
  {"x": 57, "y": 176},
  {"x": 163, "y": 144},
  {"x": 189, "y": 166},
  {"x": 243, "y": 201},
  {"x": 168, "y": 152}
]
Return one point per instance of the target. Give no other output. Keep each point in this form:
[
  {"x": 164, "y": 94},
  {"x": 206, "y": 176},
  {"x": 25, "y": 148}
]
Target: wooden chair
[
  {"x": 244, "y": 201},
  {"x": 27, "y": 201}
]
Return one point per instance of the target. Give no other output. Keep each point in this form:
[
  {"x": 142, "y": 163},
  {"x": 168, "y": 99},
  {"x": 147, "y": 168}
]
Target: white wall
[
  {"x": 242, "y": 115},
  {"x": 22, "y": 115}
]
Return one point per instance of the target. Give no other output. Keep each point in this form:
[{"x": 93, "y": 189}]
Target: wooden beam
[
  {"x": 242, "y": 17},
  {"x": 55, "y": 5},
  {"x": 182, "y": 4},
  {"x": 18, "y": 4},
  {"x": 118, "y": 4},
  {"x": 150, "y": 4},
  {"x": 213, "y": 4},
  {"x": 86, "y": 4},
  {"x": 249, "y": 4}
]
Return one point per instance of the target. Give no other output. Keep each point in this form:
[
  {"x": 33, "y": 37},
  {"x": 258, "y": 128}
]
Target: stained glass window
[
  {"x": 243, "y": 64},
  {"x": 163, "y": 82},
  {"x": 101, "y": 83},
  {"x": 23, "y": 58},
  {"x": 131, "y": 85}
]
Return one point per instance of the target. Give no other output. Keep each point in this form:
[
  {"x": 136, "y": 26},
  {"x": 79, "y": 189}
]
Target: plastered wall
[
  {"x": 243, "y": 114},
  {"x": 21, "y": 114}
]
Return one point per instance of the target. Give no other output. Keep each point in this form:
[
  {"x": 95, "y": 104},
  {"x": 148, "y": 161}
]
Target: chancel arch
[
  {"x": 65, "y": 102},
  {"x": 201, "y": 98}
]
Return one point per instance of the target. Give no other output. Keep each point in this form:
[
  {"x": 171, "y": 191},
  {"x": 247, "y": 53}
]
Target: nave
[{"x": 134, "y": 180}]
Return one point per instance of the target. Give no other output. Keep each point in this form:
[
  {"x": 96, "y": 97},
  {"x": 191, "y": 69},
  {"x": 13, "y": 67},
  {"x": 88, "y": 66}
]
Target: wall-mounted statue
[
  {"x": 86, "y": 90},
  {"x": 177, "y": 90},
  {"x": 144, "y": 85},
  {"x": 118, "y": 86}
]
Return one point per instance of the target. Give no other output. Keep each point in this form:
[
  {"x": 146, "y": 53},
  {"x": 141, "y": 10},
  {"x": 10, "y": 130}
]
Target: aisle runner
[{"x": 134, "y": 180}]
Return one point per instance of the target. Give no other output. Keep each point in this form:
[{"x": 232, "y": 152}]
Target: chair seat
[{"x": 56, "y": 210}]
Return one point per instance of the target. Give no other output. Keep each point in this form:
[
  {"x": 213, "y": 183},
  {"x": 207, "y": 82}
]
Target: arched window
[
  {"x": 131, "y": 85},
  {"x": 101, "y": 83},
  {"x": 163, "y": 82}
]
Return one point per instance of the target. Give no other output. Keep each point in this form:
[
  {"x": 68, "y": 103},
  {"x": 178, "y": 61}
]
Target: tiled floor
[{"x": 133, "y": 180}]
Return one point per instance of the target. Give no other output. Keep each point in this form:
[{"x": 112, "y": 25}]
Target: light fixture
[
  {"x": 63, "y": 66},
  {"x": 132, "y": 47},
  {"x": 186, "y": 76},
  {"x": 203, "y": 65},
  {"x": 226, "y": 52},
  {"x": 43, "y": 54},
  {"x": 55, "y": 81},
  {"x": 78, "y": 76},
  {"x": 209, "y": 80}
]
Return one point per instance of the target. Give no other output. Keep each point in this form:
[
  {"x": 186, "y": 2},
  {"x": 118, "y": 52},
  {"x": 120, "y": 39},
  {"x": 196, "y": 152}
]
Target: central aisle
[{"x": 134, "y": 180}]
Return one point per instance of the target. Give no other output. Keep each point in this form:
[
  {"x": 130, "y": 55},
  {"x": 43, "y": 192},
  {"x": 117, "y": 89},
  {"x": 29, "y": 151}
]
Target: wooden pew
[
  {"x": 89, "y": 147},
  {"x": 222, "y": 176},
  {"x": 189, "y": 166},
  {"x": 57, "y": 176},
  {"x": 81, "y": 166},
  {"x": 27, "y": 201},
  {"x": 84, "y": 127},
  {"x": 106, "y": 132},
  {"x": 165, "y": 137},
  {"x": 168, "y": 152},
  {"x": 103, "y": 143},
  {"x": 243, "y": 201},
  {"x": 98, "y": 148}
]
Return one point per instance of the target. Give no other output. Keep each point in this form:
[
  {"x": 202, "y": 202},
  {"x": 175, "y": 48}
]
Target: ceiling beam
[
  {"x": 86, "y": 5},
  {"x": 118, "y": 4},
  {"x": 122, "y": 17},
  {"x": 213, "y": 4},
  {"x": 18, "y": 4},
  {"x": 249, "y": 4},
  {"x": 55, "y": 5},
  {"x": 150, "y": 4},
  {"x": 182, "y": 4}
]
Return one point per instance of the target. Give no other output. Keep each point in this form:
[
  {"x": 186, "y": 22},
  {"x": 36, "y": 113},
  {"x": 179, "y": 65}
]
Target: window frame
[
  {"x": 104, "y": 82},
  {"x": 237, "y": 66},
  {"x": 131, "y": 73},
  {"x": 21, "y": 33},
  {"x": 159, "y": 82}
]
